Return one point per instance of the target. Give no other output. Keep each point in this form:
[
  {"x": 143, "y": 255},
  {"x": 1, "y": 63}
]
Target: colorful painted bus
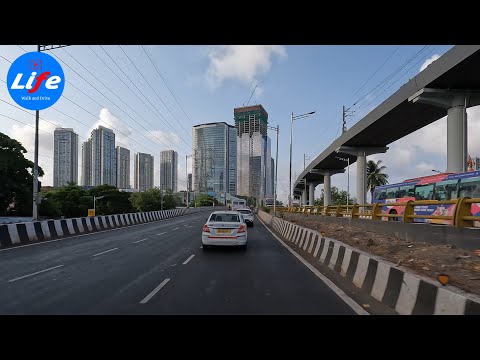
[{"x": 445, "y": 186}]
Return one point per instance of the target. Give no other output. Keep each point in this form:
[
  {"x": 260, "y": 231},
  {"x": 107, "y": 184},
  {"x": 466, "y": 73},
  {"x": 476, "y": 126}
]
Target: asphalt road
[{"x": 160, "y": 268}]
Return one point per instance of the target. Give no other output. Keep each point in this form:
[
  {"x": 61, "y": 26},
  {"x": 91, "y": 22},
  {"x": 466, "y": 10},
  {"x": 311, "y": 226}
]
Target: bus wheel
[{"x": 392, "y": 218}]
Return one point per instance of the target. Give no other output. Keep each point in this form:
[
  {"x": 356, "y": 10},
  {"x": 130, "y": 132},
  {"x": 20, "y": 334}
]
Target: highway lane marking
[
  {"x": 156, "y": 290},
  {"x": 140, "y": 240},
  {"x": 161, "y": 233},
  {"x": 92, "y": 233},
  {"x": 175, "y": 229},
  {"x": 340, "y": 293},
  {"x": 35, "y": 273},
  {"x": 189, "y": 258},
  {"x": 103, "y": 252}
]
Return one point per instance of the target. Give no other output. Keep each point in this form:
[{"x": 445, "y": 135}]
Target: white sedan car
[
  {"x": 247, "y": 214},
  {"x": 225, "y": 228}
]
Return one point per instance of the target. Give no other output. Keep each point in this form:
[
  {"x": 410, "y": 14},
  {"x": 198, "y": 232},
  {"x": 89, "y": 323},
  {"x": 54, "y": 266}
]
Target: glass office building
[{"x": 214, "y": 159}]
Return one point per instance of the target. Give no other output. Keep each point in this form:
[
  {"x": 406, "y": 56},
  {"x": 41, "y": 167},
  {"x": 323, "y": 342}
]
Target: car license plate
[{"x": 223, "y": 231}]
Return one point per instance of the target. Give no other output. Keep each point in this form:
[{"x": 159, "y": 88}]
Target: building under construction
[{"x": 253, "y": 152}]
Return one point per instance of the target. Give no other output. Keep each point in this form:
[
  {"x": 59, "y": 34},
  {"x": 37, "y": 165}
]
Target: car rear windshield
[
  {"x": 225, "y": 217},
  {"x": 245, "y": 211}
]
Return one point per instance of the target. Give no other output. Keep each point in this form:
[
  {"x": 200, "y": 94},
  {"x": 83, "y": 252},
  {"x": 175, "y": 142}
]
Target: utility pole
[
  {"x": 161, "y": 197},
  {"x": 186, "y": 176},
  {"x": 305, "y": 157},
  {"x": 36, "y": 199},
  {"x": 345, "y": 113}
]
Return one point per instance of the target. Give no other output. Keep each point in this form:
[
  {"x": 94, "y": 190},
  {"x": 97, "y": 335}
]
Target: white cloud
[
  {"x": 243, "y": 63},
  {"x": 424, "y": 166},
  {"x": 26, "y": 136},
  {"x": 428, "y": 62},
  {"x": 121, "y": 130},
  {"x": 166, "y": 140}
]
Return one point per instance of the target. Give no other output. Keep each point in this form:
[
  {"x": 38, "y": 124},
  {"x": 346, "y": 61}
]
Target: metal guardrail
[{"x": 461, "y": 217}]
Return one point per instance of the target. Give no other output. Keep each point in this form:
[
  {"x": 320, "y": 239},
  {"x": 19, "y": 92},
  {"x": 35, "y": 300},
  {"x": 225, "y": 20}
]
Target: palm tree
[{"x": 375, "y": 177}]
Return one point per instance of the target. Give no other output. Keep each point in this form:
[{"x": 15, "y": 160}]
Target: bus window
[
  {"x": 446, "y": 190},
  {"x": 470, "y": 187},
  {"x": 379, "y": 195},
  {"x": 406, "y": 191},
  {"x": 392, "y": 193},
  {"x": 424, "y": 192}
]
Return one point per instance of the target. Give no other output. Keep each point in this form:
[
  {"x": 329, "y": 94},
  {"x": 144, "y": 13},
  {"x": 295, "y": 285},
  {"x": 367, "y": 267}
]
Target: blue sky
[{"x": 209, "y": 81}]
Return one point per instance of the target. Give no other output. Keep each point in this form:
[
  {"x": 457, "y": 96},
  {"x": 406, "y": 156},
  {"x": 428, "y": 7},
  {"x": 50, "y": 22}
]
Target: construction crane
[{"x": 251, "y": 95}]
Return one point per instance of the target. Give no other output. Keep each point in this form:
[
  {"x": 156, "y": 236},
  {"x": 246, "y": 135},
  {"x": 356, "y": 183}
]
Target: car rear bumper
[{"x": 224, "y": 241}]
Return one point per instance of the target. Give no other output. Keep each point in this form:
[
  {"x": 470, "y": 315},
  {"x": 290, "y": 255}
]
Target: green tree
[
  {"x": 338, "y": 197},
  {"x": 375, "y": 176},
  {"x": 101, "y": 190},
  {"x": 71, "y": 200},
  {"x": 16, "y": 179},
  {"x": 204, "y": 200},
  {"x": 120, "y": 203},
  {"x": 169, "y": 200},
  {"x": 112, "y": 201},
  {"x": 49, "y": 207},
  {"x": 148, "y": 200}
]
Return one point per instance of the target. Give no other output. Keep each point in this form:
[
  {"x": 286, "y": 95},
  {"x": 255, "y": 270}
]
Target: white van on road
[{"x": 238, "y": 204}]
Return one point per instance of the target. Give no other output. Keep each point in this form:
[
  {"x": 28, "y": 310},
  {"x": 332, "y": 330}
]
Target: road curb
[
  {"x": 17, "y": 234},
  {"x": 402, "y": 290}
]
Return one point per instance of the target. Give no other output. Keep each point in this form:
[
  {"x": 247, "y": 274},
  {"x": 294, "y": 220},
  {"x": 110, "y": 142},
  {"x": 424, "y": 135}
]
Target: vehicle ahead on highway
[
  {"x": 225, "y": 228},
  {"x": 238, "y": 204},
  {"x": 247, "y": 215},
  {"x": 440, "y": 187}
]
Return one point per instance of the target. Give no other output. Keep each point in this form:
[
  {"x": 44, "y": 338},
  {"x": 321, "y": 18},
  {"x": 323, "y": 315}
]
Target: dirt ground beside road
[{"x": 462, "y": 266}]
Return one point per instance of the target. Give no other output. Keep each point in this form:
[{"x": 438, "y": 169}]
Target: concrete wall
[
  {"x": 28, "y": 232},
  {"x": 463, "y": 238}
]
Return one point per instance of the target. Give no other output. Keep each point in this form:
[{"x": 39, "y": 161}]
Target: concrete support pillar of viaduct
[
  {"x": 304, "y": 197},
  {"x": 327, "y": 184},
  {"x": 327, "y": 190},
  {"x": 311, "y": 194},
  {"x": 361, "y": 153},
  {"x": 456, "y": 103}
]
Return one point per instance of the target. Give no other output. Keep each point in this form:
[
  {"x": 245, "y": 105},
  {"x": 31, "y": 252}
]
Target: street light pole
[
  {"x": 276, "y": 175},
  {"x": 290, "y": 176},
  {"x": 277, "y": 129},
  {"x": 35, "y": 163},
  {"x": 94, "y": 203},
  {"x": 291, "y": 131}
]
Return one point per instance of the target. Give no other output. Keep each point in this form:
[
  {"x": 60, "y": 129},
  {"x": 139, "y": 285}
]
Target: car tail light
[
  {"x": 241, "y": 229},
  {"x": 206, "y": 228}
]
